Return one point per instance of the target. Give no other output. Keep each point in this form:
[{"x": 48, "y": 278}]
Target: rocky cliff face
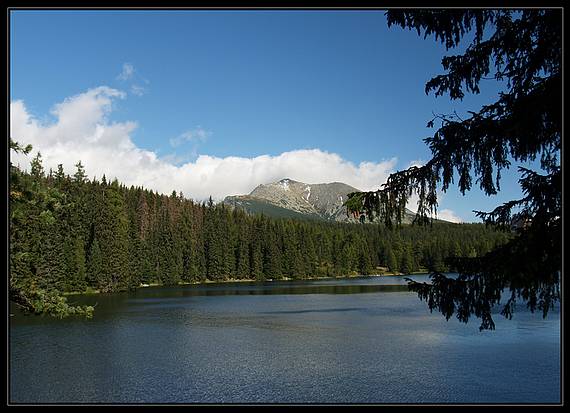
[{"x": 324, "y": 200}]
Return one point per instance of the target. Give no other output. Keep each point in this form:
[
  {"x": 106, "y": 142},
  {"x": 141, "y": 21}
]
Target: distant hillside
[
  {"x": 292, "y": 199},
  {"x": 255, "y": 205}
]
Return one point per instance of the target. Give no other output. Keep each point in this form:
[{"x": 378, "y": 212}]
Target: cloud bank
[{"x": 83, "y": 131}]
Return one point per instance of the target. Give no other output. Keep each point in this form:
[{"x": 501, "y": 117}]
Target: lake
[{"x": 361, "y": 340}]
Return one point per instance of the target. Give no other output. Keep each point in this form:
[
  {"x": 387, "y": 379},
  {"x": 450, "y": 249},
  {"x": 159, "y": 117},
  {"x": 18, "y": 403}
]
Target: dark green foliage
[
  {"x": 273, "y": 264},
  {"x": 15, "y": 146},
  {"x": 214, "y": 247},
  {"x": 392, "y": 261},
  {"x": 77, "y": 267},
  {"x": 49, "y": 302},
  {"x": 94, "y": 264},
  {"x": 243, "y": 240},
  {"x": 364, "y": 259},
  {"x": 522, "y": 49},
  {"x": 38, "y": 266},
  {"x": 407, "y": 262},
  {"x": 256, "y": 249},
  {"x": 292, "y": 259},
  {"x": 111, "y": 226},
  {"x": 70, "y": 234}
]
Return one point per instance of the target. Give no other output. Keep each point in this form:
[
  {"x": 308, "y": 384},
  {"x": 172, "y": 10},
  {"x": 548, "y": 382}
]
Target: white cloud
[
  {"x": 449, "y": 215},
  {"x": 127, "y": 72},
  {"x": 83, "y": 131}
]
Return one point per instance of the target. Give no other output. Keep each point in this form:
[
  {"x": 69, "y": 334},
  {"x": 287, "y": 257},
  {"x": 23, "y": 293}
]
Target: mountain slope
[
  {"x": 293, "y": 199},
  {"x": 253, "y": 205}
]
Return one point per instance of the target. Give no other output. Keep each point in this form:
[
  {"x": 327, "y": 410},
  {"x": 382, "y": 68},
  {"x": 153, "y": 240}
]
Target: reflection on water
[
  {"x": 328, "y": 341},
  {"x": 282, "y": 290}
]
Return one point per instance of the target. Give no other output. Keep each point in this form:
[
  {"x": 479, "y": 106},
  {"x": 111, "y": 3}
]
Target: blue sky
[{"x": 208, "y": 87}]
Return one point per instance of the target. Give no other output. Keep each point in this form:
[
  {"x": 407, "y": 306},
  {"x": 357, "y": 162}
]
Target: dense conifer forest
[{"x": 72, "y": 234}]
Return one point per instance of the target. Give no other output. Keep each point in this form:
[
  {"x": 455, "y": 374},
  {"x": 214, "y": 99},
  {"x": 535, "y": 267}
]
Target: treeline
[{"x": 71, "y": 234}]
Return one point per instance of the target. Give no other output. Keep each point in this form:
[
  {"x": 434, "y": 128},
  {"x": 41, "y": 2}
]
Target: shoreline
[{"x": 248, "y": 280}]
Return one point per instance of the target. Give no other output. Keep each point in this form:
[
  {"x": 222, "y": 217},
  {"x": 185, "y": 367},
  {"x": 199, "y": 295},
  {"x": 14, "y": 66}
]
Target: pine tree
[
  {"x": 112, "y": 233},
  {"x": 272, "y": 265},
  {"x": 228, "y": 238},
  {"x": 95, "y": 265},
  {"x": 292, "y": 260},
  {"x": 308, "y": 253},
  {"x": 242, "y": 245},
  {"x": 79, "y": 271},
  {"x": 407, "y": 265},
  {"x": 37, "y": 169},
  {"x": 187, "y": 244},
  {"x": 392, "y": 261},
  {"x": 256, "y": 251},
  {"x": 213, "y": 243},
  {"x": 364, "y": 260}
]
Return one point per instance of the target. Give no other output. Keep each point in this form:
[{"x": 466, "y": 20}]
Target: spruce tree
[
  {"x": 364, "y": 260},
  {"x": 256, "y": 250},
  {"x": 112, "y": 233},
  {"x": 272, "y": 261},
  {"x": 79, "y": 270},
  {"x": 392, "y": 261},
  {"x": 95, "y": 264},
  {"x": 521, "y": 49},
  {"x": 241, "y": 248}
]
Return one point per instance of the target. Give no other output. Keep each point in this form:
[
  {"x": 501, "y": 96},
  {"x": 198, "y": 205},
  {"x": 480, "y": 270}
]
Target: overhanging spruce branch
[
  {"x": 389, "y": 203},
  {"x": 522, "y": 49}
]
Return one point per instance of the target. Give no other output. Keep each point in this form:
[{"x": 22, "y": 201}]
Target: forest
[{"x": 69, "y": 233}]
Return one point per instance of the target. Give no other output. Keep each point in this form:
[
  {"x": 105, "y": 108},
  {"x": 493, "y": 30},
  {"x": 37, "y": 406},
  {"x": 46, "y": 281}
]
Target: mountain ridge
[{"x": 294, "y": 199}]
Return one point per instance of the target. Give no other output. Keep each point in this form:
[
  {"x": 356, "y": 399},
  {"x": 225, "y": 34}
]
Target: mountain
[{"x": 292, "y": 199}]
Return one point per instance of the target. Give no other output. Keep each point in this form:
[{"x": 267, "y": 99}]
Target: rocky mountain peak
[
  {"x": 322, "y": 200},
  {"x": 290, "y": 198}
]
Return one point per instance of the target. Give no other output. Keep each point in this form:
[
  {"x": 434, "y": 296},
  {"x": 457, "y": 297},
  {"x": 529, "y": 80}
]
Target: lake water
[{"x": 361, "y": 340}]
